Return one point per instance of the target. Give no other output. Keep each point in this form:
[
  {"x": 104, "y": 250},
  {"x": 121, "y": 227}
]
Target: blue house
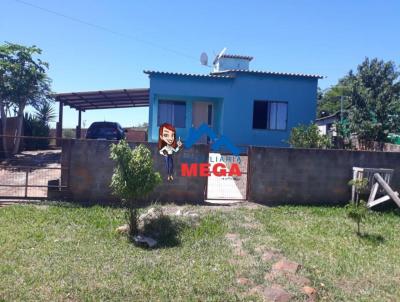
[{"x": 249, "y": 107}]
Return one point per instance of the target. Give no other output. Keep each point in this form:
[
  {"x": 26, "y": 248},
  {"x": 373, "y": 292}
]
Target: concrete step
[{"x": 224, "y": 201}]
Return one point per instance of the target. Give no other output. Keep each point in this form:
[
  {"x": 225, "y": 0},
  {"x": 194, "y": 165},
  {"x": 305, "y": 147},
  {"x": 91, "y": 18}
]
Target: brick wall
[
  {"x": 276, "y": 175},
  {"x": 310, "y": 176},
  {"x": 90, "y": 171}
]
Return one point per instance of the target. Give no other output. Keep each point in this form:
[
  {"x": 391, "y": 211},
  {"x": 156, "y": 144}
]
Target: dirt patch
[
  {"x": 237, "y": 244},
  {"x": 39, "y": 158}
]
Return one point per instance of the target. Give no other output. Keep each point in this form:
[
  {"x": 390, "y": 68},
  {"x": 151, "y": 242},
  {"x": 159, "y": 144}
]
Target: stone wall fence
[{"x": 276, "y": 175}]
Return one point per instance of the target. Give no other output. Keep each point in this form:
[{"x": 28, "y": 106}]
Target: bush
[
  {"x": 36, "y": 128},
  {"x": 133, "y": 177},
  {"x": 305, "y": 136},
  {"x": 38, "y": 125}
]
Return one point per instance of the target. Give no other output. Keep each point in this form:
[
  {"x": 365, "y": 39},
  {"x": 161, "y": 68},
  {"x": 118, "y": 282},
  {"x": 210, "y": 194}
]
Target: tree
[
  {"x": 133, "y": 177},
  {"x": 371, "y": 100},
  {"x": 45, "y": 113},
  {"x": 305, "y": 136},
  {"x": 375, "y": 96},
  {"x": 23, "y": 82},
  {"x": 329, "y": 102}
]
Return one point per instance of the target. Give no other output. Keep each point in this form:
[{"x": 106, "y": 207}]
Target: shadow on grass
[
  {"x": 374, "y": 239},
  {"x": 165, "y": 231}
]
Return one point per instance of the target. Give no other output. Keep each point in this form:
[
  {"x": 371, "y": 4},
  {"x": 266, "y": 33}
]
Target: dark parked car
[{"x": 105, "y": 130}]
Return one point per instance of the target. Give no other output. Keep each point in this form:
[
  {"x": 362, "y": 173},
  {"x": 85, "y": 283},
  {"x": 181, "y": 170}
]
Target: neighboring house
[
  {"x": 327, "y": 124},
  {"x": 249, "y": 107}
]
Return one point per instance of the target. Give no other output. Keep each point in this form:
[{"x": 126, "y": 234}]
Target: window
[
  {"x": 269, "y": 115},
  {"x": 172, "y": 112}
]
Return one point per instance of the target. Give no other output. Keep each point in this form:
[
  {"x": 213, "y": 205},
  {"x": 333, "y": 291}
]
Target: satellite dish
[{"x": 204, "y": 59}]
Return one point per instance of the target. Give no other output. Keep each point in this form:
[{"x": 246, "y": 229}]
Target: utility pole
[{"x": 341, "y": 109}]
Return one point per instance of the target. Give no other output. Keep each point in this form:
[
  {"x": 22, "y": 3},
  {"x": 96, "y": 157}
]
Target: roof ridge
[
  {"x": 228, "y": 73},
  {"x": 270, "y": 73},
  {"x": 208, "y": 75},
  {"x": 232, "y": 56}
]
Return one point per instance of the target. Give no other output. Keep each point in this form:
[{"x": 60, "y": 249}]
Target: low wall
[
  {"x": 90, "y": 169},
  {"x": 391, "y": 147},
  {"x": 276, "y": 175},
  {"x": 310, "y": 176},
  {"x": 12, "y": 125}
]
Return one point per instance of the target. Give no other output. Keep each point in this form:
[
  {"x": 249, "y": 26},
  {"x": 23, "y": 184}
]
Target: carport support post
[
  {"x": 78, "y": 128},
  {"x": 59, "y": 124}
]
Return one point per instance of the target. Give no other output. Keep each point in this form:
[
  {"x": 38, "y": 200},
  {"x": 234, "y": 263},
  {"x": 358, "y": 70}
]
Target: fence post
[{"x": 26, "y": 182}]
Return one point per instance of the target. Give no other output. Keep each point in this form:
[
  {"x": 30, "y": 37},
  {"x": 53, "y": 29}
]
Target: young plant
[
  {"x": 357, "y": 213},
  {"x": 134, "y": 177},
  {"x": 357, "y": 209}
]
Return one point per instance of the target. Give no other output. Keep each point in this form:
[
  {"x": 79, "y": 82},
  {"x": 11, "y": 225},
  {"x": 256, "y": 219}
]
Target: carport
[{"x": 102, "y": 99}]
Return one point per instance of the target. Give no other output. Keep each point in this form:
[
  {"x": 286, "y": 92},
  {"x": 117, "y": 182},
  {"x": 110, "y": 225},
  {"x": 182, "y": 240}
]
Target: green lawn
[{"x": 53, "y": 253}]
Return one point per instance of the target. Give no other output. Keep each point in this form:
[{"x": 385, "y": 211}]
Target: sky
[{"x": 104, "y": 44}]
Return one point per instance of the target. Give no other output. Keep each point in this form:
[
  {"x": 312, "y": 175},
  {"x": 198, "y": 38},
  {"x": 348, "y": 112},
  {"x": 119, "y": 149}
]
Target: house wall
[
  {"x": 90, "y": 170},
  {"x": 187, "y": 89},
  {"x": 236, "y": 103},
  {"x": 231, "y": 63},
  {"x": 298, "y": 92},
  {"x": 311, "y": 176}
]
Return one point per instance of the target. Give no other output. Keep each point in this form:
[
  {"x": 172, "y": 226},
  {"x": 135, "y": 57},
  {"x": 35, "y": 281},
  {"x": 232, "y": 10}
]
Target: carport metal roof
[{"x": 105, "y": 99}]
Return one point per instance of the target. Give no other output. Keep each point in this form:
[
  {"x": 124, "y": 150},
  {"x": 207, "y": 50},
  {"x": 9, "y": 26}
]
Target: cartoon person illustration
[{"x": 167, "y": 145}]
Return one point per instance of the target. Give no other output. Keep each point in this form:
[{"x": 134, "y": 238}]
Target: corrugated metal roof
[
  {"x": 105, "y": 99},
  {"x": 232, "y": 71},
  {"x": 188, "y": 74}
]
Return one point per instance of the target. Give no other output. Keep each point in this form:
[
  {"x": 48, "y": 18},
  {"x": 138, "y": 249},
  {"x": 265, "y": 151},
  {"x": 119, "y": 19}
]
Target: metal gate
[
  {"x": 32, "y": 175},
  {"x": 227, "y": 187}
]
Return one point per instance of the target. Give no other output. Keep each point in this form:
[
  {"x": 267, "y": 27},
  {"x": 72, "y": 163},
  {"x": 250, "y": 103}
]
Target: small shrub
[
  {"x": 357, "y": 209},
  {"x": 357, "y": 212},
  {"x": 133, "y": 178}
]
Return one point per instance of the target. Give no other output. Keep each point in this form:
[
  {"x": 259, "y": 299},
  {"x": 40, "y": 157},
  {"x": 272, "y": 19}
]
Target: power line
[{"x": 106, "y": 29}]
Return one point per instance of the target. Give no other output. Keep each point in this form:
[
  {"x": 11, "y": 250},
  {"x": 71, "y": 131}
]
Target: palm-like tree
[{"x": 45, "y": 113}]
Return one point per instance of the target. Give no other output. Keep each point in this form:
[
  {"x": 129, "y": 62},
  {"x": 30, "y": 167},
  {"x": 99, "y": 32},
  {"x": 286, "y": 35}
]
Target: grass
[
  {"x": 62, "y": 252},
  {"x": 350, "y": 267}
]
